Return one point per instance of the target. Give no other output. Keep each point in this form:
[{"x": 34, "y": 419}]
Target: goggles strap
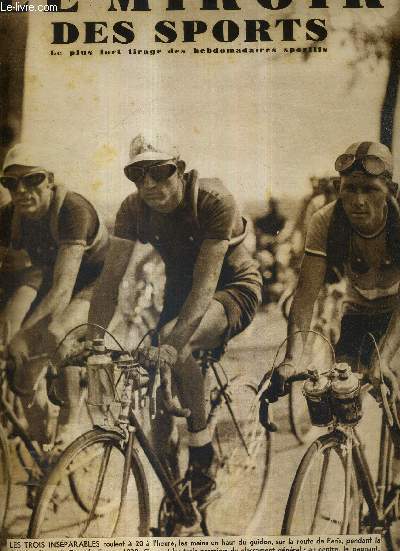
[{"x": 362, "y": 149}]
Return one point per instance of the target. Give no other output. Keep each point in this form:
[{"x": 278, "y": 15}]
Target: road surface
[{"x": 250, "y": 353}]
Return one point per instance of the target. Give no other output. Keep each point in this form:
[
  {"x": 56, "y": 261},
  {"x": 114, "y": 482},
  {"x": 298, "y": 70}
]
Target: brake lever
[
  {"x": 264, "y": 412},
  {"x": 265, "y": 416},
  {"x": 166, "y": 393},
  {"x": 157, "y": 381}
]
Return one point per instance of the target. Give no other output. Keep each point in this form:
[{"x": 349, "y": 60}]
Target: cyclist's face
[
  {"x": 162, "y": 195},
  {"x": 32, "y": 202},
  {"x": 364, "y": 201}
]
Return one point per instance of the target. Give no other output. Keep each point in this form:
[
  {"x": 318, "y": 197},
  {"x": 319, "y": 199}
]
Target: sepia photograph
[{"x": 199, "y": 269}]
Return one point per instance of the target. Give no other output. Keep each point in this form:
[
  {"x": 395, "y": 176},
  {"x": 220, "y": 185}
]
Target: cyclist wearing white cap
[
  {"x": 212, "y": 287},
  {"x": 66, "y": 243},
  {"x": 357, "y": 236}
]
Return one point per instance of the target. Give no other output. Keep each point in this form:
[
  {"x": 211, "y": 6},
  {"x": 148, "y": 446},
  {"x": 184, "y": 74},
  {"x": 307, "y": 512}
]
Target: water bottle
[
  {"x": 100, "y": 372},
  {"x": 346, "y": 395},
  {"x": 316, "y": 391}
]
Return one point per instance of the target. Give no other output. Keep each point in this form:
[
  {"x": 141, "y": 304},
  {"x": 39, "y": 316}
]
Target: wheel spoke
[
  {"x": 316, "y": 503},
  {"x": 81, "y": 495},
  {"x": 244, "y": 449}
]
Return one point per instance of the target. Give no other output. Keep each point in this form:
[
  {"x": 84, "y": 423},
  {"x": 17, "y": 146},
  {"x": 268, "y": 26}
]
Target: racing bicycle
[
  {"x": 98, "y": 486},
  {"x": 333, "y": 491}
]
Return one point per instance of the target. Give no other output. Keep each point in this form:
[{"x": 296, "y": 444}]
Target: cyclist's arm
[
  {"x": 389, "y": 347},
  {"x": 205, "y": 278},
  {"x": 311, "y": 279},
  {"x": 66, "y": 269},
  {"x": 105, "y": 295}
]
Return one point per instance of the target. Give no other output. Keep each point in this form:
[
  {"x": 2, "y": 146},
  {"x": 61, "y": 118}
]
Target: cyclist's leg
[
  {"x": 384, "y": 328},
  {"x": 27, "y": 380},
  {"x": 68, "y": 390},
  {"x": 16, "y": 308},
  {"x": 390, "y": 356},
  {"x": 165, "y": 440},
  {"x": 190, "y": 386},
  {"x": 230, "y": 312},
  {"x": 39, "y": 343},
  {"x": 15, "y": 302},
  {"x": 189, "y": 383}
]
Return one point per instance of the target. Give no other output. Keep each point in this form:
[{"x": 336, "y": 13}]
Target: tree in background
[{"x": 13, "y": 36}]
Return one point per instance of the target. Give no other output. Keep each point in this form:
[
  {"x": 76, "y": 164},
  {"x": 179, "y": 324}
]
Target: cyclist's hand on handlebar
[
  {"x": 280, "y": 377},
  {"x": 18, "y": 348},
  {"x": 277, "y": 387},
  {"x": 164, "y": 358},
  {"x": 153, "y": 356}
]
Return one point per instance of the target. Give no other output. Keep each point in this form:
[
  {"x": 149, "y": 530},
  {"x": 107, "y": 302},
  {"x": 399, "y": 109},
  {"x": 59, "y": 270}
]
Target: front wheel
[
  {"x": 318, "y": 501},
  {"x": 5, "y": 478},
  {"x": 82, "y": 495},
  {"x": 243, "y": 448}
]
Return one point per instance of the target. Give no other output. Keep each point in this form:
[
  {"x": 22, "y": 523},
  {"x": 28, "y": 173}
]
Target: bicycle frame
[
  {"x": 375, "y": 495},
  {"x": 135, "y": 430},
  {"x": 8, "y": 413},
  {"x": 154, "y": 461}
]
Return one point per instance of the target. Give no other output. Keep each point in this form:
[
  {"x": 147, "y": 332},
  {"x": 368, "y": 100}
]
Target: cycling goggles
[
  {"x": 374, "y": 166},
  {"x": 30, "y": 181},
  {"x": 158, "y": 173}
]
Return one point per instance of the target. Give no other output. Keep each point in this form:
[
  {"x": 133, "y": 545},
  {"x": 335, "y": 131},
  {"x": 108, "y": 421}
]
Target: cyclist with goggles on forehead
[
  {"x": 64, "y": 243},
  {"x": 212, "y": 286},
  {"x": 358, "y": 237}
]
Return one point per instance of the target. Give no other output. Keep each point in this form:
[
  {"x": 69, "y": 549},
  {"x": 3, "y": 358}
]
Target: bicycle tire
[
  {"x": 5, "y": 480},
  {"x": 241, "y": 477},
  {"x": 313, "y": 507},
  {"x": 61, "y": 508},
  {"x": 299, "y": 418}
]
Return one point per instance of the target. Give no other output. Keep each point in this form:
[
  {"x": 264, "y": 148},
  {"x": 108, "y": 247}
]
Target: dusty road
[{"x": 250, "y": 353}]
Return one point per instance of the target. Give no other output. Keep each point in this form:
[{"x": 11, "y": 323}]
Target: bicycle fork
[{"x": 348, "y": 479}]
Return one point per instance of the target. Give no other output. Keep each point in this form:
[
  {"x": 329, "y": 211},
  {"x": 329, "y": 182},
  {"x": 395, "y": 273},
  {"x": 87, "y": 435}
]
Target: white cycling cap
[
  {"x": 25, "y": 154},
  {"x": 155, "y": 148}
]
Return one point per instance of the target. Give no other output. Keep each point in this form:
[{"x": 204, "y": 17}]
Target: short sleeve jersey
[
  {"x": 178, "y": 235},
  {"x": 10, "y": 260},
  {"x": 373, "y": 289},
  {"x": 78, "y": 223}
]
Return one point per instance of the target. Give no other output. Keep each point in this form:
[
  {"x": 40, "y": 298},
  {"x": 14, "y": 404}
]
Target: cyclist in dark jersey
[
  {"x": 212, "y": 287},
  {"x": 358, "y": 237},
  {"x": 64, "y": 244}
]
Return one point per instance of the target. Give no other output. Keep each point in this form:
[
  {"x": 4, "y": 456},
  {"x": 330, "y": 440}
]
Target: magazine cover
[{"x": 169, "y": 169}]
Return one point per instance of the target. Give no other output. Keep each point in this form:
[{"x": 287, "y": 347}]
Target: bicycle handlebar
[
  {"x": 159, "y": 376},
  {"x": 265, "y": 413},
  {"x": 384, "y": 397}
]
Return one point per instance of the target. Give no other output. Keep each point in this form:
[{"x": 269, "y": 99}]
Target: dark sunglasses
[
  {"x": 372, "y": 165},
  {"x": 158, "y": 173},
  {"x": 28, "y": 180}
]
